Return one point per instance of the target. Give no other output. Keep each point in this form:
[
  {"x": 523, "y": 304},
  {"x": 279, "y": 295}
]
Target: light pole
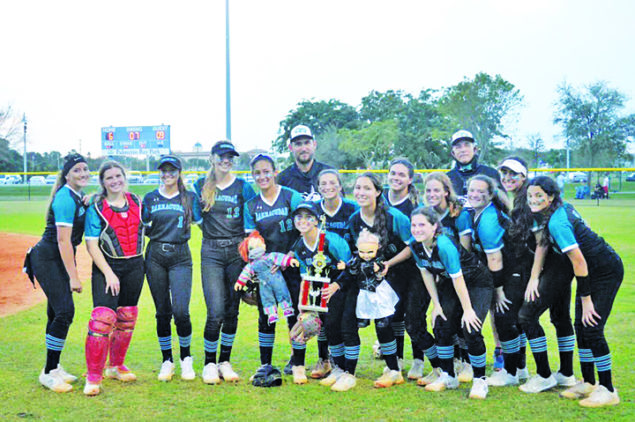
[
  {"x": 228, "y": 111},
  {"x": 24, "y": 162}
]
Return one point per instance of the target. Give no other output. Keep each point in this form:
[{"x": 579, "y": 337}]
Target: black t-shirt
[
  {"x": 304, "y": 183},
  {"x": 338, "y": 221},
  {"x": 460, "y": 174},
  {"x": 225, "y": 219}
]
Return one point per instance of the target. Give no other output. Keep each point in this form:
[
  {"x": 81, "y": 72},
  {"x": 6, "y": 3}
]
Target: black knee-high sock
[
  {"x": 52, "y": 360},
  {"x": 606, "y": 380}
]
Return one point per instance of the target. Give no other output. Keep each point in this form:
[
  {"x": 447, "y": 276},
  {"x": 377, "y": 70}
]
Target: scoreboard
[{"x": 135, "y": 140}]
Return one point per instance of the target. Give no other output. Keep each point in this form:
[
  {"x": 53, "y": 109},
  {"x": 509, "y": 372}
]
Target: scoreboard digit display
[{"x": 135, "y": 140}]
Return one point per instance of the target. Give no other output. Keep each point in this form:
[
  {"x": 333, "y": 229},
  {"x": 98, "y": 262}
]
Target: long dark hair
[
  {"x": 413, "y": 194},
  {"x": 186, "y": 202},
  {"x": 522, "y": 219},
  {"x": 550, "y": 187},
  {"x": 380, "y": 225},
  {"x": 107, "y": 165}
]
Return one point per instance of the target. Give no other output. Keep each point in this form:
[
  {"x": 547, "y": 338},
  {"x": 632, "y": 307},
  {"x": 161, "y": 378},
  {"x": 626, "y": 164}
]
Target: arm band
[
  {"x": 584, "y": 285},
  {"x": 499, "y": 277}
]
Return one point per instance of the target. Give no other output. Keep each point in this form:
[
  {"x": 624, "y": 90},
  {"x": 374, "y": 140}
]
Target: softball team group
[{"x": 507, "y": 245}]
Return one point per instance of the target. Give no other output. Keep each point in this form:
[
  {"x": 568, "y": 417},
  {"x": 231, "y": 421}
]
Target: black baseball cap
[
  {"x": 170, "y": 159},
  {"x": 306, "y": 206},
  {"x": 224, "y": 147}
]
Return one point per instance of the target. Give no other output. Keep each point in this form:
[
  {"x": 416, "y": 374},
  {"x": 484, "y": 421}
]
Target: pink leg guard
[
  {"x": 120, "y": 339},
  {"x": 100, "y": 326}
]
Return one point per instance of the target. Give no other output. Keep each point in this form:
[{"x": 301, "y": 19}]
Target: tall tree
[
  {"x": 537, "y": 146},
  {"x": 592, "y": 122},
  {"x": 374, "y": 144},
  {"x": 9, "y": 124},
  {"x": 481, "y": 105},
  {"x": 319, "y": 116}
]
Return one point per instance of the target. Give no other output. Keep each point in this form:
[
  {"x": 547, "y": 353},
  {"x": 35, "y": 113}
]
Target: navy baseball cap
[
  {"x": 462, "y": 135},
  {"x": 170, "y": 159},
  {"x": 306, "y": 206},
  {"x": 224, "y": 147}
]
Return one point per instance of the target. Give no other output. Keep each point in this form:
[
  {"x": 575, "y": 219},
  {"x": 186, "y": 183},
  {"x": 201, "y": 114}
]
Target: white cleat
[
  {"x": 522, "y": 373},
  {"x": 416, "y": 370},
  {"x": 479, "y": 389},
  {"x": 538, "y": 384},
  {"x": 65, "y": 376},
  {"x": 444, "y": 382},
  {"x": 430, "y": 378},
  {"x": 167, "y": 371},
  {"x": 564, "y": 381},
  {"x": 187, "y": 370},
  {"x": 227, "y": 373},
  {"x": 502, "y": 378},
  {"x": 581, "y": 390},
  {"x": 335, "y": 374},
  {"x": 53, "y": 382},
  {"x": 601, "y": 397},
  {"x": 210, "y": 374},
  {"x": 344, "y": 383}
]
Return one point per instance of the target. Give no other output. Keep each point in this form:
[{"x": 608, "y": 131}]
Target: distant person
[
  {"x": 302, "y": 175},
  {"x": 560, "y": 180},
  {"x": 605, "y": 185},
  {"x": 465, "y": 154},
  {"x": 52, "y": 262}
]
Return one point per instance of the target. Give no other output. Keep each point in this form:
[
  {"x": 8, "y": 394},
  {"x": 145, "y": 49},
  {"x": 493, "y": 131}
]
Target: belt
[
  {"x": 168, "y": 247},
  {"x": 228, "y": 241}
]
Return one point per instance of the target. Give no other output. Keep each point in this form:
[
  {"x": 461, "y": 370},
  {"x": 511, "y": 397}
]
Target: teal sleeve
[
  {"x": 250, "y": 225},
  {"x": 296, "y": 198},
  {"x": 92, "y": 229},
  {"x": 197, "y": 213},
  {"x": 464, "y": 223},
  {"x": 490, "y": 233},
  {"x": 248, "y": 191},
  {"x": 561, "y": 230},
  {"x": 449, "y": 256},
  {"x": 338, "y": 247},
  {"x": 64, "y": 208},
  {"x": 401, "y": 225}
]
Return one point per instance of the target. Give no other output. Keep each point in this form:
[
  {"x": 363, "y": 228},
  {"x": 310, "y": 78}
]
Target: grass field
[{"x": 22, "y": 356}]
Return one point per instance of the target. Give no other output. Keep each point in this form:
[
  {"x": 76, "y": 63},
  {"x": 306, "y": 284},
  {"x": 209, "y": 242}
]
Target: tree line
[{"x": 396, "y": 123}]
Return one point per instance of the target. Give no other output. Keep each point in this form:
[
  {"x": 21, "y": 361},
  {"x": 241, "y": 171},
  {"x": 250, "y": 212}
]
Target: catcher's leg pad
[
  {"x": 120, "y": 339},
  {"x": 101, "y": 324}
]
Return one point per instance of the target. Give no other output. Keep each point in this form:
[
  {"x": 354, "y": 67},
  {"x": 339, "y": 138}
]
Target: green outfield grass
[{"x": 22, "y": 356}]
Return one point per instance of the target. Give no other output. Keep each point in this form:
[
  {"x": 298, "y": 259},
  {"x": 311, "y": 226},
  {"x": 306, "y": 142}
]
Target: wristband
[
  {"x": 584, "y": 285},
  {"x": 499, "y": 277}
]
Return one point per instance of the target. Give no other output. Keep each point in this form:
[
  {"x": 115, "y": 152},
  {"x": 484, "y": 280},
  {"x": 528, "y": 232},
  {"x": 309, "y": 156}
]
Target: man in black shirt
[
  {"x": 464, "y": 152},
  {"x": 302, "y": 174}
]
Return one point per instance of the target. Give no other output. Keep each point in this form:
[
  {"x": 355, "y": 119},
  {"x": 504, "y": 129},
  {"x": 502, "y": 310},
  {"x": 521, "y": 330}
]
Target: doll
[
  {"x": 376, "y": 299},
  {"x": 273, "y": 289}
]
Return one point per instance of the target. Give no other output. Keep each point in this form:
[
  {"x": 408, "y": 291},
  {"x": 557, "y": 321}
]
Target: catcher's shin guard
[
  {"x": 120, "y": 339},
  {"x": 100, "y": 326}
]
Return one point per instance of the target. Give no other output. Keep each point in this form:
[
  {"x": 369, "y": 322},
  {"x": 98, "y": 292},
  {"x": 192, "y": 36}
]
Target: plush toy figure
[{"x": 273, "y": 289}]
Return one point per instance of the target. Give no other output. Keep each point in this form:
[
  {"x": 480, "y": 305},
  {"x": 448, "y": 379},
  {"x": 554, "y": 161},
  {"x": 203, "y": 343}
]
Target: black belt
[
  {"x": 227, "y": 241},
  {"x": 168, "y": 247}
]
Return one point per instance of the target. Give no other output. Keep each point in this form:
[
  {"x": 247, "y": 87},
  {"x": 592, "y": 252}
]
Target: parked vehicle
[
  {"x": 191, "y": 178},
  {"x": 50, "y": 179},
  {"x": 630, "y": 177},
  {"x": 37, "y": 180},
  {"x": 10, "y": 179},
  {"x": 135, "y": 178},
  {"x": 578, "y": 177},
  {"x": 152, "y": 179}
]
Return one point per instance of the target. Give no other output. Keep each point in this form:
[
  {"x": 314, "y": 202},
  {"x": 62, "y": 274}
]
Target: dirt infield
[{"x": 16, "y": 291}]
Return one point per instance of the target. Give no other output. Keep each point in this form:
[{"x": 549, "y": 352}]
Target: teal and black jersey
[
  {"x": 488, "y": 230},
  {"x": 448, "y": 259},
  {"x": 274, "y": 220},
  {"x": 66, "y": 210},
  {"x": 449, "y": 225},
  {"x": 225, "y": 219},
  {"x": 338, "y": 221},
  {"x": 406, "y": 206},
  {"x": 567, "y": 230},
  {"x": 398, "y": 226},
  {"x": 163, "y": 217},
  {"x": 335, "y": 250}
]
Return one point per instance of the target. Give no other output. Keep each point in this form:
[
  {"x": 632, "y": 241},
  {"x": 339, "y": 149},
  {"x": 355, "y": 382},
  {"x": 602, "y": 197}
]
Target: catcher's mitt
[{"x": 249, "y": 295}]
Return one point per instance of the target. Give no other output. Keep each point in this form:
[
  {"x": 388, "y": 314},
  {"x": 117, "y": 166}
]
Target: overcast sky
[{"x": 76, "y": 66}]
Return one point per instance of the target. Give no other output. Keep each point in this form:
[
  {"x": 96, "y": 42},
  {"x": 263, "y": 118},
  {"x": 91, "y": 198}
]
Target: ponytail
[
  {"x": 186, "y": 202},
  {"x": 208, "y": 193}
]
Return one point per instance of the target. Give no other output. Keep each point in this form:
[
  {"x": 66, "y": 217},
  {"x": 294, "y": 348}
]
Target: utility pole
[
  {"x": 24, "y": 161},
  {"x": 228, "y": 111}
]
